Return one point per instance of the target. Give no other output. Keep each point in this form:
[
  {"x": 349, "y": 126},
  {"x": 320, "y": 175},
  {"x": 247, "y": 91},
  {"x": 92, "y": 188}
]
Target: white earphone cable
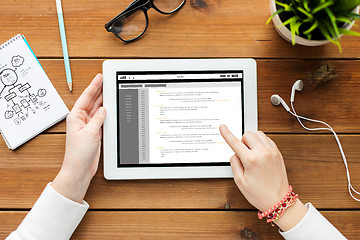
[{"x": 329, "y": 128}]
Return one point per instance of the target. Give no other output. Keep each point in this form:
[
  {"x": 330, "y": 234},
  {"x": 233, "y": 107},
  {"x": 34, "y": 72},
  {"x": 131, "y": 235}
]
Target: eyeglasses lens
[
  {"x": 131, "y": 26},
  {"x": 168, "y": 6}
]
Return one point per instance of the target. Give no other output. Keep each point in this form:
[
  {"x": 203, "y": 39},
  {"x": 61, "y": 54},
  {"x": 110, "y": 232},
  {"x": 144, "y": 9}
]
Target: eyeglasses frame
[{"x": 131, "y": 9}]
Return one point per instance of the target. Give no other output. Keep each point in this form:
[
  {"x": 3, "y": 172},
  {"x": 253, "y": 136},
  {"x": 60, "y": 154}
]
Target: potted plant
[{"x": 314, "y": 22}]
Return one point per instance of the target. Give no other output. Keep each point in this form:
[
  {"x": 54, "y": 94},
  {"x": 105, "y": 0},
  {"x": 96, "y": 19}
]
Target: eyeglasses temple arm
[{"x": 132, "y": 4}]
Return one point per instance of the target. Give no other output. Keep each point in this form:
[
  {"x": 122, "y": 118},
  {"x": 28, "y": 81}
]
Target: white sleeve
[
  {"x": 313, "y": 226},
  {"x": 52, "y": 217}
]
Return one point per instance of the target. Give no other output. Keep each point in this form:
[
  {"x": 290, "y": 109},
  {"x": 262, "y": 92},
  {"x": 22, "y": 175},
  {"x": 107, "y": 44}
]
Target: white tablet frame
[{"x": 110, "y": 67}]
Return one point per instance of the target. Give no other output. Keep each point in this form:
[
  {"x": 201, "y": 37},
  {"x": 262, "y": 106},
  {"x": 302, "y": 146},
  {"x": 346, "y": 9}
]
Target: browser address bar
[{"x": 180, "y": 76}]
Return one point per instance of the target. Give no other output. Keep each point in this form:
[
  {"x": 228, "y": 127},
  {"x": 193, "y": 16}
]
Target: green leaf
[
  {"x": 312, "y": 28},
  {"x": 293, "y": 34},
  {"x": 353, "y": 15},
  {"x": 304, "y": 17},
  {"x": 306, "y": 5},
  {"x": 322, "y": 6},
  {"x": 309, "y": 15},
  {"x": 289, "y": 21},
  {"x": 343, "y": 19},
  {"x": 287, "y": 7},
  {"x": 344, "y": 7},
  {"x": 325, "y": 33},
  {"x": 296, "y": 26},
  {"x": 333, "y": 21},
  {"x": 330, "y": 29},
  {"x": 277, "y": 12},
  {"x": 349, "y": 32}
]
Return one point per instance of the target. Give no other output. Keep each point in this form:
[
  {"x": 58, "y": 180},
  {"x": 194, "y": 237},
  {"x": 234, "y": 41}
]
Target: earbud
[
  {"x": 276, "y": 100},
  {"x": 298, "y": 86}
]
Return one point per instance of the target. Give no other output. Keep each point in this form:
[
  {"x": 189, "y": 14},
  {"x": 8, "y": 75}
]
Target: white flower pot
[{"x": 285, "y": 33}]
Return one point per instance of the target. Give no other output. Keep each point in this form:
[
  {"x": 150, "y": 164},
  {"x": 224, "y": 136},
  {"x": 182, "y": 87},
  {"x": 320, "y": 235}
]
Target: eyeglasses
[{"x": 133, "y": 22}]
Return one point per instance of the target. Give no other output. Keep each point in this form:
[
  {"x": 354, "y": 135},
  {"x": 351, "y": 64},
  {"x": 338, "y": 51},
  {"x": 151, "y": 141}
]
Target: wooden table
[{"x": 190, "y": 209}]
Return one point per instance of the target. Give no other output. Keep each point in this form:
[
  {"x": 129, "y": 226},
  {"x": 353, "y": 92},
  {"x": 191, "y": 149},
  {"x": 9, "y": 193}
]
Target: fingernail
[
  {"x": 101, "y": 110},
  {"x": 223, "y": 126}
]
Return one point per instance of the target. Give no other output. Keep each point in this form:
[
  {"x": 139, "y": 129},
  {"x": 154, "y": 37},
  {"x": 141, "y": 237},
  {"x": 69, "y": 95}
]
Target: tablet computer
[{"x": 163, "y": 116}]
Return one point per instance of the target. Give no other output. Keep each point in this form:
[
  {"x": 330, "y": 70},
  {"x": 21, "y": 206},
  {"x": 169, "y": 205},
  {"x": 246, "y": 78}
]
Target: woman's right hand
[
  {"x": 260, "y": 174},
  {"x": 83, "y": 143}
]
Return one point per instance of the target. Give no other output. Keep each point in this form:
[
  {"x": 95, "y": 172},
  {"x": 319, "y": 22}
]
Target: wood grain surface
[
  {"x": 195, "y": 208},
  {"x": 181, "y": 225},
  {"x": 232, "y": 28},
  {"x": 315, "y": 169}
]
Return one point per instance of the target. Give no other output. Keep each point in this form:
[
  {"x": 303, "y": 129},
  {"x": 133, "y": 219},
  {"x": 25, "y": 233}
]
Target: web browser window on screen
[{"x": 173, "y": 119}]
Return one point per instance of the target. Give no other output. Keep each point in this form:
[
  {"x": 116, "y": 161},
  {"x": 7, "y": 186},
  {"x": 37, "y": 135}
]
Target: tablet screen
[{"x": 173, "y": 118}]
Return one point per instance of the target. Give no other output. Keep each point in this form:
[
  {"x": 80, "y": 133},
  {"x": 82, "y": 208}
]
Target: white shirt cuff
[
  {"x": 313, "y": 226},
  {"x": 52, "y": 217}
]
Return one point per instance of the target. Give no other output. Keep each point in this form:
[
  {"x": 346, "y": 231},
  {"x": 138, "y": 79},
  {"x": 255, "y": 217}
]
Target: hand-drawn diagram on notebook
[{"x": 22, "y": 100}]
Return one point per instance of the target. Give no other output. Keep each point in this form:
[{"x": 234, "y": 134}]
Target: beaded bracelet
[{"x": 278, "y": 210}]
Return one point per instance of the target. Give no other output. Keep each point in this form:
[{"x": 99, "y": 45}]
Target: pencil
[{"x": 64, "y": 44}]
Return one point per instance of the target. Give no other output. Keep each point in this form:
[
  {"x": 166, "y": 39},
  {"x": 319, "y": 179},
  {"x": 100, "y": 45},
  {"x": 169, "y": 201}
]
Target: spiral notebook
[{"x": 29, "y": 103}]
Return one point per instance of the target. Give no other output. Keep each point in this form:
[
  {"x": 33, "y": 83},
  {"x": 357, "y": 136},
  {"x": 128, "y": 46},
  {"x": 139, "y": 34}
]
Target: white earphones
[
  {"x": 276, "y": 100},
  {"x": 298, "y": 86}
]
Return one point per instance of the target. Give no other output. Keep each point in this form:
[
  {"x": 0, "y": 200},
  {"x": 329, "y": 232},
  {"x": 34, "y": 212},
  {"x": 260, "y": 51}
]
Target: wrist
[
  {"x": 71, "y": 185},
  {"x": 292, "y": 216},
  {"x": 287, "y": 213}
]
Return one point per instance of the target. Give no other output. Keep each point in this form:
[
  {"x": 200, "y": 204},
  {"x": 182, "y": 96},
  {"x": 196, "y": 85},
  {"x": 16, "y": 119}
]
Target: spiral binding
[{"x": 10, "y": 41}]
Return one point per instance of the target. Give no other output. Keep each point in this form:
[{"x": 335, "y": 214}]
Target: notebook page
[{"x": 29, "y": 103}]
